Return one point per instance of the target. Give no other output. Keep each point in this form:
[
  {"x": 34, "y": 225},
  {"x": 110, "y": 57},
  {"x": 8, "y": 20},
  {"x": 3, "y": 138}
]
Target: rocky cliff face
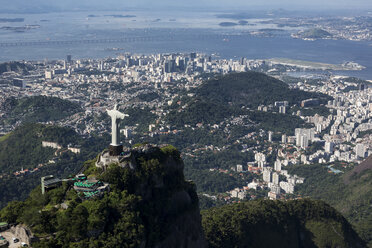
[{"x": 175, "y": 200}]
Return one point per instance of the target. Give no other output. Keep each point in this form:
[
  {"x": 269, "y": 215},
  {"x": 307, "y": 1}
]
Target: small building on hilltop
[
  {"x": 89, "y": 188},
  {"x": 49, "y": 182}
]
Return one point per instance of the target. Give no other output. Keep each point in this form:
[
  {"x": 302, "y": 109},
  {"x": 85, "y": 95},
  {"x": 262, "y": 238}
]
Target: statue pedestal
[{"x": 115, "y": 150}]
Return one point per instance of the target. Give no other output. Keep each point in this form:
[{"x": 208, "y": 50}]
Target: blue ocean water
[{"x": 172, "y": 32}]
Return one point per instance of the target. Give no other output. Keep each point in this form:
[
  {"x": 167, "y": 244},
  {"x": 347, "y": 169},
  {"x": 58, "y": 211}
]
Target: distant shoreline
[{"x": 348, "y": 66}]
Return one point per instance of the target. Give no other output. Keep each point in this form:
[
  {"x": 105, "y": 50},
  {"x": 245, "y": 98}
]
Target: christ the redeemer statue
[{"x": 115, "y": 146}]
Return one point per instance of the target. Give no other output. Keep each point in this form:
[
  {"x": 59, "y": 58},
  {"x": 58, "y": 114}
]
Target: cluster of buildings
[
  {"x": 276, "y": 180},
  {"x": 85, "y": 188},
  {"x": 343, "y": 136},
  {"x": 126, "y": 79},
  {"x": 355, "y": 28},
  {"x": 345, "y": 131},
  {"x": 95, "y": 84}
]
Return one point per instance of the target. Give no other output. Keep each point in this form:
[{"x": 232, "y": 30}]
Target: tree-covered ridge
[
  {"x": 23, "y": 148},
  {"x": 201, "y": 111},
  {"x": 350, "y": 193},
  {"x": 140, "y": 117},
  {"x": 300, "y": 223},
  {"x": 252, "y": 89},
  {"x": 148, "y": 200},
  {"x": 14, "y": 67},
  {"x": 315, "y": 33},
  {"x": 224, "y": 97},
  {"x": 37, "y": 109},
  {"x": 206, "y": 112}
]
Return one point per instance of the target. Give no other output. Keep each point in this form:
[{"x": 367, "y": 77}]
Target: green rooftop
[{"x": 85, "y": 184}]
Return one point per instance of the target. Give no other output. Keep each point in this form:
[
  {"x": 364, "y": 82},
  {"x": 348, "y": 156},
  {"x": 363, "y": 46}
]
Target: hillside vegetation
[
  {"x": 349, "y": 193},
  {"x": 252, "y": 89},
  {"x": 292, "y": 224},
  {"x": 316, "y": 33},
  {"x": 151, "y": 205},
  {"x": 14, "y": 67},
  {"x": 148, "y": 206},
  {"x": 37, "y": 109},
  {"x": 22, "y": 148},
  {"x": 224, "y": 97}
]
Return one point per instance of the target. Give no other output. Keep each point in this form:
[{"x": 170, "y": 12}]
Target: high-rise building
[
  {"x": 267, "y": 175},
  {"x": 242, "y": 61},
  {"x": 69, "y": 58},
  {"x": 181, "y": 64},
  {"x": 260, "y": 159},
  {"x": 298, "y": 139},
  {"x": 288, "y": 187},
  {"x": 304, "y": 142},
  {"x": 319, "y": 128},
  {"x": 284, "y": 139},
  {"x": 270, "y": 136},
  {"x": 48, "y": 74},
  {"x": 360, "y": 150},
  {"x": 275, "y": 178},
  {"x": 100, "y": 66},
  {"x": 127, "y": 133},
  {"x": 329, "y": 147},
  {"x": 278, "y": 165},
  {"x": 303, "y": 131}
]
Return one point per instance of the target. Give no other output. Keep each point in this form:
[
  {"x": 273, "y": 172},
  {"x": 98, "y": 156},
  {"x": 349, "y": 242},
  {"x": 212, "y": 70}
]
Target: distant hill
[
  {"x": 37, "y": 109},
  {"x": 363, "y": 168},
  {"x": 252, "y": 89},
  {"x": 350, "y": 193},
  {"x": 315, "y": 33},
  {"x": 22, "y": 147},
  {"x": 14, "y": 67},
  {"x": 291, "y": 224},
  {"x": 224, "y": 96}
]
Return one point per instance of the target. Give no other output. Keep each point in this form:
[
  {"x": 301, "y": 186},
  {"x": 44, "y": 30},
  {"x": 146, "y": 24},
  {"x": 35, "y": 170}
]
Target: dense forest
[
  {"x": 350, "y": 192},
  {"x": 265, "y": 223},
  {"x": 252, "y": 89},
  {"x": 142, "y": 208},
  {"x": 22, "y": 148},
  {"x": 141, "y": 118},
  {"x": 224, "y": 96},
  {"x": 37, "y": 109}
]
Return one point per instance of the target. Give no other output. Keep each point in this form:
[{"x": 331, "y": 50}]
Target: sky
[{"x": 55, "y": 5}]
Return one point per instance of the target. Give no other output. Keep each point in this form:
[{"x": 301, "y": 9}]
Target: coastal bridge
[{"x": 113, "y": 40}]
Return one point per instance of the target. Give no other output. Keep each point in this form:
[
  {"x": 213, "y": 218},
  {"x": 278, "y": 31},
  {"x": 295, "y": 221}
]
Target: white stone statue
[{"x": 115, "y": 115}]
